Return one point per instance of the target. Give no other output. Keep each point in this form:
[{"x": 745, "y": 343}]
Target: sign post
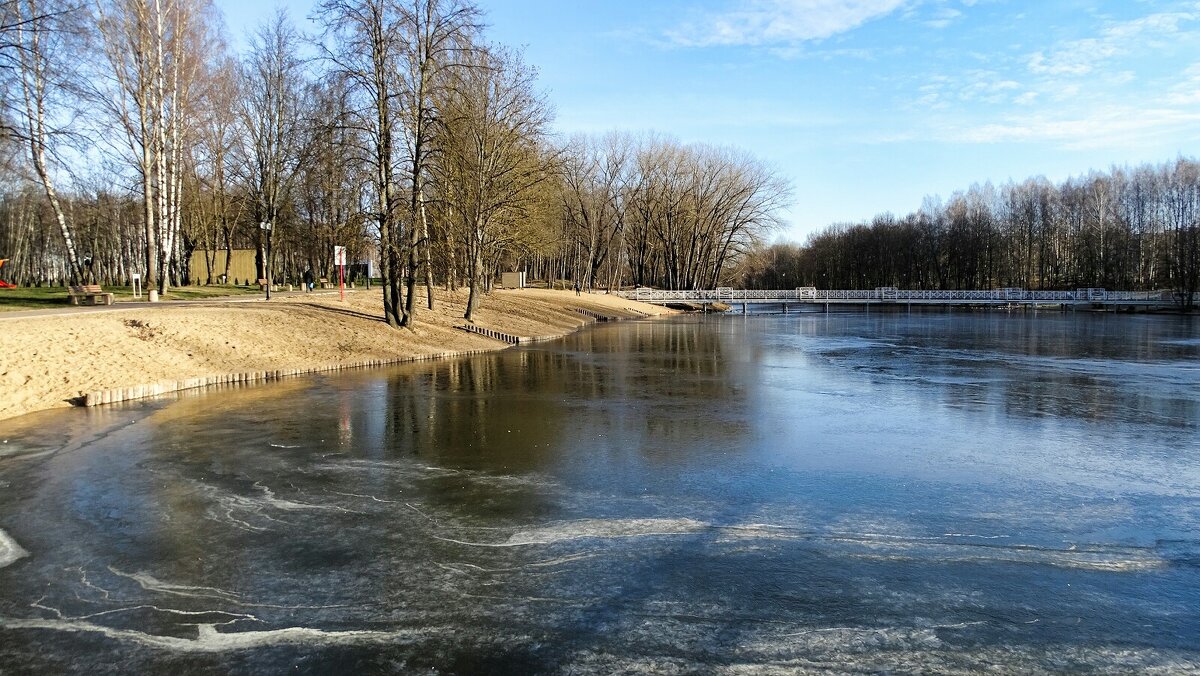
[
  {"x": 266, "y": 227},
  {"x": 339, "y": 259}
]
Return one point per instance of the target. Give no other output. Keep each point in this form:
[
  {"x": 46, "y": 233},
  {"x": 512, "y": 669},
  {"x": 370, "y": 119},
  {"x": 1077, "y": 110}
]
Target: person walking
[{"x": 308, "y": 279}]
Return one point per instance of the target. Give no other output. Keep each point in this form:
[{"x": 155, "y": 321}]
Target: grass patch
[{"x": 40, "y": 298}]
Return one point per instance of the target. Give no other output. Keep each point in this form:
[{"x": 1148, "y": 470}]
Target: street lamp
[{"x": 266, "y": 226}]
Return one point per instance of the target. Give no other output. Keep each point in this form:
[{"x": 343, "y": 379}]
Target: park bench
[
  {"x": 89, "y": 294},
  {"x": 262, "y": 284},
  {"x": 324, "y": 282}
]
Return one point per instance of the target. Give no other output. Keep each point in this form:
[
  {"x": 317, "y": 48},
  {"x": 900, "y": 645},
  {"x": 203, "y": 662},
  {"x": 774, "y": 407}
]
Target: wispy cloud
[
  {"x": 1102, "y": 91},
  {"x": 1187, "y": 91},
  {"x": 1107, "y": 127},
  {"x": 774, "y": 22},
  {"x": 970, "y": 87},
  {"x": 1081, "y": 57},
  {"x": 1026, "y": 99},
  {"x": 943, "y": 17}
]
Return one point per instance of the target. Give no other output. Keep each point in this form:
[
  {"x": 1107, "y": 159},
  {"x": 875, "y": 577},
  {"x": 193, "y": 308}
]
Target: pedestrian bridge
[{"x": 1090, "y": 297}]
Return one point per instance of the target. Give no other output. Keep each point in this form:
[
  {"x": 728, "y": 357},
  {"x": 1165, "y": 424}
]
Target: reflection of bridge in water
[{"x": 1091, "y": 298}]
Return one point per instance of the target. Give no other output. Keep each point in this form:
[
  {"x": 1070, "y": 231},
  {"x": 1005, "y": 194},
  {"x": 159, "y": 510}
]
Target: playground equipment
[{"x": 4, "y": 284}]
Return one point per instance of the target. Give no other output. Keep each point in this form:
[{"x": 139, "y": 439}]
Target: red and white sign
[{"x": 339, "y": 255}]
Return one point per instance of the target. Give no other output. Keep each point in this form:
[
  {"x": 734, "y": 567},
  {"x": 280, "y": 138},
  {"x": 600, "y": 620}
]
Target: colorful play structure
[{"x": 4, "y": 284}]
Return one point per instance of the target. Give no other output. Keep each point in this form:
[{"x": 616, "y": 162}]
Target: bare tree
[
  {"x": 436, "y": 37},
  {"x": 273, "y": 119},
  {"x": 44, "y": 35},
  {"x": 156, "y": 51},
  {"x": 594, "y": 176},
  {"x": 329, "y": 188},
  {"x": 493, "y": 157},
  {"x": 363, "y": 41},
  {"x": 1182, "y": 209},
  {"x": 217, "y": 133}
]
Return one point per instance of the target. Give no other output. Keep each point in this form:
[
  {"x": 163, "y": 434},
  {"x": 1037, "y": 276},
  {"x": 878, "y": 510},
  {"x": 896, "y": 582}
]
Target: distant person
[
  {"x": 577, "y": 287},
  {"x": 308, "y": 279}
]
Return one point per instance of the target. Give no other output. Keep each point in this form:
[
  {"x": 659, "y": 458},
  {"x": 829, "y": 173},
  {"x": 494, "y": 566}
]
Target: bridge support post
[{"x": 785, "y": 308}]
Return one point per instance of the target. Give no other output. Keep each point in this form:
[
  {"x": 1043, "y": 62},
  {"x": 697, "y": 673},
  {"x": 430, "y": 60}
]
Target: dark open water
[{"x": 762, "y": 494}]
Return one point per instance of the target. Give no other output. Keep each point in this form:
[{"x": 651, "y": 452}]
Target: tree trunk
[
  {"x": 426, "y": 246},
  {"x": 473, "y": 278}
]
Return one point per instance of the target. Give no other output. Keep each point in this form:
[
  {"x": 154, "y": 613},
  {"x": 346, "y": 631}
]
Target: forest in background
[{"x": 1129, "y": 229}]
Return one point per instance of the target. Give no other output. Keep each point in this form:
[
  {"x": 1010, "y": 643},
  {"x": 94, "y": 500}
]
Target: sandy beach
[{"x": 57, "y": 360}]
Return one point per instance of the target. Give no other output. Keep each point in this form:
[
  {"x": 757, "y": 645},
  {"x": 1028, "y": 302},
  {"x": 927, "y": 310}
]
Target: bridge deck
[{"x": 888, "y": 295}]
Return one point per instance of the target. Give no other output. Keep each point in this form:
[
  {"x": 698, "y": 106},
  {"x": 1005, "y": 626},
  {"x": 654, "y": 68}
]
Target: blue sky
[{"x": 867, "y": 105}]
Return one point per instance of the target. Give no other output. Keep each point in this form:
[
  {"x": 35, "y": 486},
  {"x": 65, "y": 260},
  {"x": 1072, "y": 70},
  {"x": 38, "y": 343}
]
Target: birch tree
[
  {"x": 44, "y": 35},
  {"x": 156, "y": 52}
]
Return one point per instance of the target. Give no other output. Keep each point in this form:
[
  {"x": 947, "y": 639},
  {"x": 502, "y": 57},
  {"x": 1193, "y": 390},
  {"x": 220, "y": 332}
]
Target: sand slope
[{"x": 48, "y": 361}]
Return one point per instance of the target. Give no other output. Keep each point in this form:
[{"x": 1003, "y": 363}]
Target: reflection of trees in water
[
  {"x": 631, "y": 389},
  {"x": 480, "y": 412},
  {"x": 686, "y": 360},
  {"x": 639, "y": 392}
]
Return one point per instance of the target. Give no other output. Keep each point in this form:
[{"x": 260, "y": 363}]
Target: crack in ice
[
  {"x": 153, "y": 584},
  {"x": 209, "y": 640}
]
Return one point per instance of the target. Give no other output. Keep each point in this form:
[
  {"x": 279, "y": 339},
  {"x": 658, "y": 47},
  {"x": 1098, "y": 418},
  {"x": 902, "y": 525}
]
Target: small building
[
  {"x": 243, "y": 265},
  {"x": 513, "y": 280}
]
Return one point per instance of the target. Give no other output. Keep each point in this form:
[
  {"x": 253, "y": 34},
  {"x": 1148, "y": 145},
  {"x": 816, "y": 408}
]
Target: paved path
[{"x": 123, "y": 305}]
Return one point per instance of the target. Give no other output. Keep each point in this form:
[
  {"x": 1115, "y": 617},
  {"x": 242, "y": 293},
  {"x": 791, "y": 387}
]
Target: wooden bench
[
  {"x": 325, "y": 283},
  {"x": 89, "y": 294},
  {"x": 262, "y": 284}
]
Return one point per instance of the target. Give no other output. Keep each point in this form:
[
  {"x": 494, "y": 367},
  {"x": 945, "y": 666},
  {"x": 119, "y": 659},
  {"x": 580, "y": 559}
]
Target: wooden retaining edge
[
  {"x": 595, "y": 315},
  {"x": 490, "y": 333},
  {"x": 120, "y": 394},
  {"x": 507, "y": 337}
]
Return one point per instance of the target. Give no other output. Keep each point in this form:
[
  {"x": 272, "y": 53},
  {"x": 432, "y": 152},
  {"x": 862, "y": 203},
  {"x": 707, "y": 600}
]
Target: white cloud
[
  {"x": 795, "y": 51},
  {"x": 771, "y": 22},
  {"x": 1080, "y": 57},
  {"x": 943, "y": 17},
  {"x": 1107, "y": 127},
  {"x": 1187, "y": 91},
  {"x": 1026, "y": 99},
  {"x": 972, "y": 86}
]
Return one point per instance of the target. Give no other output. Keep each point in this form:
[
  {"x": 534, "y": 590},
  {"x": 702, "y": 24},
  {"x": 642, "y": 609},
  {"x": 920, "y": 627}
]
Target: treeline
[
  {"x": 133, "y": 136},
  {"x": 1127, "y": 229},
  {"x": 652, "y": 212}
]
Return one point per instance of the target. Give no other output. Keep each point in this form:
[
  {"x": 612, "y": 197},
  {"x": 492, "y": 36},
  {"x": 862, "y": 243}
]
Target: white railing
[{"x": 892, "y": 294}]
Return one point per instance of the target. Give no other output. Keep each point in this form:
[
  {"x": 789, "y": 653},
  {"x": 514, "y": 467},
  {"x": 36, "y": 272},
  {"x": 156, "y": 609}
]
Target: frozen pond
[{"x": 883, "y": 492}]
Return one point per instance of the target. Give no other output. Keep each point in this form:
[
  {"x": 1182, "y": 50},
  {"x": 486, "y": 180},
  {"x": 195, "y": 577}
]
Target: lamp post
[{"x": 266, "y": 227}]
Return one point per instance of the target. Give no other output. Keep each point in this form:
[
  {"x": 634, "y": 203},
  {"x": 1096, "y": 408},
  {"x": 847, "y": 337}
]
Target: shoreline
[{"x": 124, "y": 354}]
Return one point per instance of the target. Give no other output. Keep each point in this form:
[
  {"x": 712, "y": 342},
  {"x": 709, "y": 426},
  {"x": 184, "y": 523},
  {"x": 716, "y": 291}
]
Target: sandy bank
[{"x": 48, "y": 361}]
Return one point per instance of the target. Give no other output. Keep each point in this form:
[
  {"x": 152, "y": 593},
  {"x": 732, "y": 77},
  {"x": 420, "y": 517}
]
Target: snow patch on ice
[{"x": 10, "y": 551}]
